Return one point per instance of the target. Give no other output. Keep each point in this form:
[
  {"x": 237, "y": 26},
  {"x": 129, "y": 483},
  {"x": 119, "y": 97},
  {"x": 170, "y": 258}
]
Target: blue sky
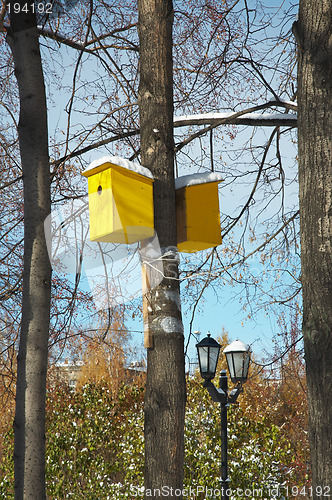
[
  {"x": 226, "y": 313},
  {"x": 212, "y": 316}
]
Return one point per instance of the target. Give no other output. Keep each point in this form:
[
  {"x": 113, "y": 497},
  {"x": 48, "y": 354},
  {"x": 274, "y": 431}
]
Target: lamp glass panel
[
  {"x": 238, "y": 358},
  {"x": 214, "y": 354},
  {"x": 235, "y": 361},
  {"x": 246, "y": 362},
  {"x": 208, "y": 359},
  {"x": 203, "y": 359}
]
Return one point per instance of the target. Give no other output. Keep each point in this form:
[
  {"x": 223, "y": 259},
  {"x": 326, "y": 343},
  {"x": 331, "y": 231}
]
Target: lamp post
[{"x": 238, "y": 359}]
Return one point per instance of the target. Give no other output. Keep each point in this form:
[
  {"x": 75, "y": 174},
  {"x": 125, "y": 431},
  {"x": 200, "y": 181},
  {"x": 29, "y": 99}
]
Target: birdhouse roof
[
  {"x": 106, "y": 161},
  {"x": 198, "y": 178}
]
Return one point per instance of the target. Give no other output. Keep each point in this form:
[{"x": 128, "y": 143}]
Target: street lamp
[
  {"x": 208, "y": 354},
  {"x": 238, "y": 359}
]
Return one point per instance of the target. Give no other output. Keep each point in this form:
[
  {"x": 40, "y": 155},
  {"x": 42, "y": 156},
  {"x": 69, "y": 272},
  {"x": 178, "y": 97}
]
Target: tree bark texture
[
  {"x": 314, "y": 36},
  {"x": 165, "y": 390},
  {"x": 29, "y": 424}
]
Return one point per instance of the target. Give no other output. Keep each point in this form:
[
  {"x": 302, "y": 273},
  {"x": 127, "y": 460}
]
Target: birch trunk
[{"x": 29, "y": 424}]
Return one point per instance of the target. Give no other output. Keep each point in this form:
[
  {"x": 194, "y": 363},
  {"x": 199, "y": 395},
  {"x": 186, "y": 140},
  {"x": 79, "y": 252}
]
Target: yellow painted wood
[
  {"x": 120, "y": 204},
  {"x": 198, "y": 217}
]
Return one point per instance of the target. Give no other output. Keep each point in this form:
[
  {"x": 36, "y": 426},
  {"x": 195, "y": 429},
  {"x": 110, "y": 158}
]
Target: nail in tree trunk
[
  {"x": 29, "y": 424},
  {"x": 165, "y": 389},
  {"x": 314, "y": 36}
]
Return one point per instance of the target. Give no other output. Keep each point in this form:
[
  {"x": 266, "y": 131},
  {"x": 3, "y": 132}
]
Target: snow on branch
[
  {"x": 62, "y": 39},
  {"x": 212, "y": 120},
  {"x": 246, "y": 117},
  {"x": 268, "y": 119}
]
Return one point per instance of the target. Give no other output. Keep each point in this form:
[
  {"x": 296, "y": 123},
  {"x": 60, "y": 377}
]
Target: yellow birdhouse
[
  {"x": 197, "y": 211},
  {"x": 120, "y": 200}
]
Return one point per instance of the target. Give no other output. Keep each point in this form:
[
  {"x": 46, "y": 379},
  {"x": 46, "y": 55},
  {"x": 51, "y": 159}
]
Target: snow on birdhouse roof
[
  {"x": 198, "y": 178},
  {"x": 121, "y": 162}
]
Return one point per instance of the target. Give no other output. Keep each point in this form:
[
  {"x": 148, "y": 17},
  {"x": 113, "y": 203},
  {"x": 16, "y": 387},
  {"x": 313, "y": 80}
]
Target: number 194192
[
  {"x": 319, "y": 491},
  {"x": 38, "y": 8}
]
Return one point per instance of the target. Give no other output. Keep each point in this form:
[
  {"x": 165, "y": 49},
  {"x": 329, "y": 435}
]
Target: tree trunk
[
  {"x": 165, "y": 390},
  {"x": 29, "y": 424},
  {"x": 314, "y": 35}
]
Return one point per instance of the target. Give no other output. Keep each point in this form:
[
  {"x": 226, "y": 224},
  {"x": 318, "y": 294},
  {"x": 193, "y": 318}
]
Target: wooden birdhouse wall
[
  {"x": 198, "y": 217},
  {"x": 120, "y": 204}
]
